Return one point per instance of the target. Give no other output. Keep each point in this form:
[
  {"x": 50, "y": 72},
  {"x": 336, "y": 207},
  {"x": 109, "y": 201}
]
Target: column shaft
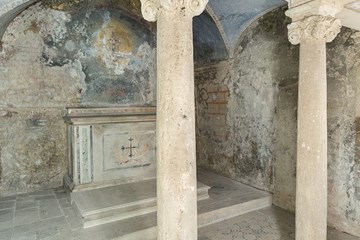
[
  {"x": 311, "y": 182},
  {"x": 176, "y": 156}
]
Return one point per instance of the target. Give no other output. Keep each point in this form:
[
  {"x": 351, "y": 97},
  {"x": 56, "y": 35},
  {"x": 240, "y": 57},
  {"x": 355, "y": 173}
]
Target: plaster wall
[
  {"x": 343, "y": 160},
  {"x": 53, "y": 59},
  {"x": 254, "y": 142},
  {"x": 59, "y": 54},
  {"x": 264, "y": 67}
]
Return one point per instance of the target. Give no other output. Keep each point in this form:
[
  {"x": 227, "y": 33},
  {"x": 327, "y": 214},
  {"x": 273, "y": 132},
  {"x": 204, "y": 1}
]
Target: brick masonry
[{"x": 212, "y": 101}]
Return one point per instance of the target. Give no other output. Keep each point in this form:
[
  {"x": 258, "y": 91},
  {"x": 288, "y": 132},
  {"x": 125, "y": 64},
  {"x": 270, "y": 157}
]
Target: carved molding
[
  {"x": 314, "y": 28},
  {"x": 152, "y": 8}
]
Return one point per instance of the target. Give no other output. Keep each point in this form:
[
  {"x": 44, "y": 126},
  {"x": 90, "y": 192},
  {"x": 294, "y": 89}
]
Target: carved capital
[
  {"x": 152, "y": 8},
  {"x": 149, "y": 10},
  {"x": 314, "y": 28}
]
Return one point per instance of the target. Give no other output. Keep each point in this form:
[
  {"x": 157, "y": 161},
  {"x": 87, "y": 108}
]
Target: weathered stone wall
[
  {"x": 61, "y": 53},
  {"x": 213, "y": 131},
  {"x": 54, "y": 58},
  {"x": 257, "y": 144},
  {"x": 261, "y": 80},
  {"x": 343, "y": 79}
]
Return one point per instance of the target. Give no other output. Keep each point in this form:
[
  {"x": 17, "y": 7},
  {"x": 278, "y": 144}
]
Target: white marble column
[
  {"x": 311, "y": 177},
  {"x": 175, "y": 120}
]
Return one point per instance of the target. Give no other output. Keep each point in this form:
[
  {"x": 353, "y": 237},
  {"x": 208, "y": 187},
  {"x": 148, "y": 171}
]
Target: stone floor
[
  {"x": 48, "y": 215},
  {"x": 39, "y": 215},
  {"x": 267, "y": 224}
]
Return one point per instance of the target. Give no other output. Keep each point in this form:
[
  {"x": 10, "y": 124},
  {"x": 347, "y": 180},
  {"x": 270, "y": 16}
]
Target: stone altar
[{"x": 109, "y": 146}]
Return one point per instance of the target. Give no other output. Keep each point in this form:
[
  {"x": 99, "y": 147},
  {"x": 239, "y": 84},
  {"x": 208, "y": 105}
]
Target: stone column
[
  {"x": 311, "y": 177},
  {"x": 175, "y": 120}
]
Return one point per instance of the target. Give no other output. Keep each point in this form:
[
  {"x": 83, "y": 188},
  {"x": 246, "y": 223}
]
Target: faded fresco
[{"x": 116, "y": 54}]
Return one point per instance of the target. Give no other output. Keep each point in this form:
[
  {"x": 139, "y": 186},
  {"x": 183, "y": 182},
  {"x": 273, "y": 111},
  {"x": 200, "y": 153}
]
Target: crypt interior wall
[
  {"x": 65, "y": 56},
  {"x": 59, "y": 54},
  {"x": 53, "y": 59},
  {"x": 247, "y": 113}
]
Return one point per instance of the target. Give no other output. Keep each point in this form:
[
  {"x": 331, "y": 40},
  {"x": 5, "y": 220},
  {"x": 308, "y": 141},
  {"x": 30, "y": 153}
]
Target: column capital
[
  {"x": 152, "y": 8},
  {"x": 314, "y": 28}
]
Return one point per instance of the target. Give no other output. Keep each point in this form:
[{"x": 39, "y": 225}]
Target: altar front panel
[
  {"x": 109, "y": 146},
  {"x": 124, "y": 151}
]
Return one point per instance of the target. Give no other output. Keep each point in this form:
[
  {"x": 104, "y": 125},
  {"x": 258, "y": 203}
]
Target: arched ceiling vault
[
  {"x": 236, "y": 15},
  {"x": 231, "y": 17}
]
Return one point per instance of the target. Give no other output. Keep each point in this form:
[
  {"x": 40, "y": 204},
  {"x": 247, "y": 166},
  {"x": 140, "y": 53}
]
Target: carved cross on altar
[{"x": 131, "y": 147}]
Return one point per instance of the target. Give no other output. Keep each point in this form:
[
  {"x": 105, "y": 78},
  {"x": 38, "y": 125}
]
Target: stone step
[
  {"x": 204, "y": 219},
  {"x": 109, "y": 204},
  {"x": 227, "y": 199}
]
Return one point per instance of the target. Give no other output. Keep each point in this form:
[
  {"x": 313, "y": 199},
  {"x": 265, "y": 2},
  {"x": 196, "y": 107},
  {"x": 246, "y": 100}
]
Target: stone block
[
  {"x": 223, "y": 108},
  {"x": 212, "y": 88},
  {"x": 213, "y": 97},
  {"x": 216, "y": 120},
  {"x": 222, "y": 97},
  {"x": 224, "y": 89},
  {"x": 213, "y": 108}
]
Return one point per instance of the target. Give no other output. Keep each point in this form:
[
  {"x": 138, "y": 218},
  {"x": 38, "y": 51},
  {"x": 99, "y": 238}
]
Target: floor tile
[
  {"x": 6, "y": 215},
  {"x": 7, "y": 205},
  {"x": 23, "y": 204},
  {"x": 48, "y": 223},
  {"x": 68, "y": 211},
  {"x": 46, "y": 212},
  {"x": 9, "y": 198},
  {"x": 42, "y": 193},
  {"x": 61, "y": 195},
  {"x": 74, "y": 222},
  {"x": 22, "y": 228},
  {"x": 46, "y": 233},
  {"x": 46, "y": 197},
  {"x": 6, "y": 235},
  {"x": 24, "y": 236},
  {"x": 61, "y": 223},
  {"x": 6, "y": 225},
  {"x": 26, "y": 216},
  {"x": 25, "y": 197}
]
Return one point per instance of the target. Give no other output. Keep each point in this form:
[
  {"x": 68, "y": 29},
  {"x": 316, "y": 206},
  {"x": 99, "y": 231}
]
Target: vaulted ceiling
[{"x": 230, "y": 16}]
